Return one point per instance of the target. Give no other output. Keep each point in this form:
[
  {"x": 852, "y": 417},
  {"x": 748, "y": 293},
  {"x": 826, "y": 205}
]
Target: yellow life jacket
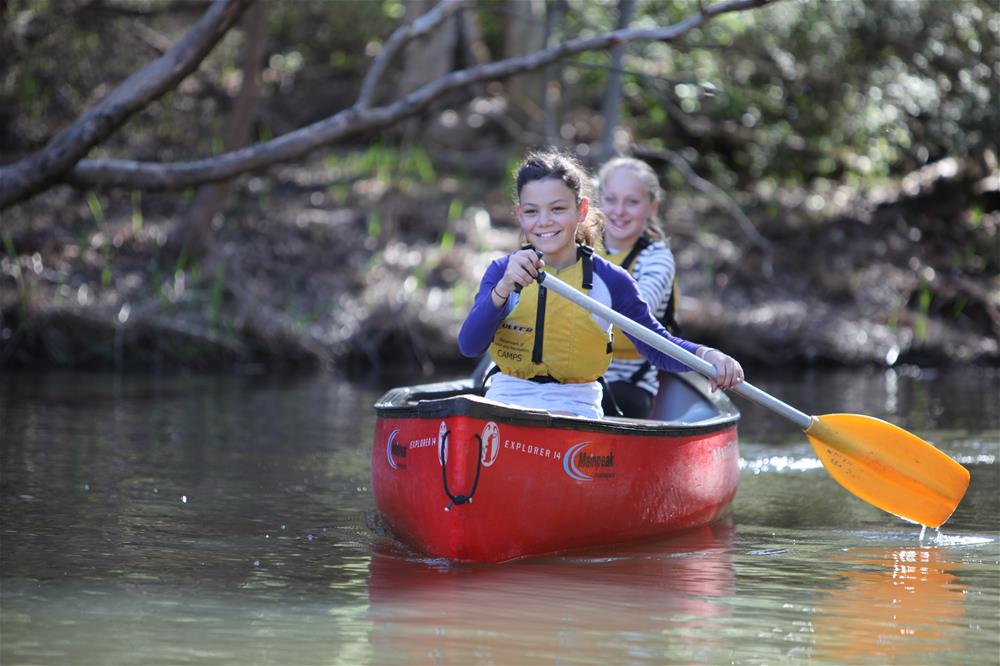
[
  {"x": 546, "y": 336},
  {"x": 623, "y": 347}
]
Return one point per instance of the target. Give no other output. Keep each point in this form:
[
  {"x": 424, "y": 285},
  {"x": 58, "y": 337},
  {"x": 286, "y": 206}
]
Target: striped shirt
[{"x": 653, "y": 270}]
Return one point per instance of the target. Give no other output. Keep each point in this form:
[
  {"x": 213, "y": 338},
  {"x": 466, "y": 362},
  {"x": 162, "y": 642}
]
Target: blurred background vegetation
[{"x": 849, "y": 147}]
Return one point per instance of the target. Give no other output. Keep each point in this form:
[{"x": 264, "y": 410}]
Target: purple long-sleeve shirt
[{"x": 613, "y": 286}]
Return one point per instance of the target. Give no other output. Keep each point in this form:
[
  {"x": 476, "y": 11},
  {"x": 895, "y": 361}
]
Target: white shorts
[{"x": 579, "y": 399}]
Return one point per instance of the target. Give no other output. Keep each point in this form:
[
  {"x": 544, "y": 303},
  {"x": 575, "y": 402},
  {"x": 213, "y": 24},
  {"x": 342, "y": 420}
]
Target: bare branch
[
  {"x": 147, "y": 10},
  {"x": 708, "y": 188},
  {"x": 354, "y": 120},
  {"x": 397, "y": 40},
  {"x": 22, "y": 179}
]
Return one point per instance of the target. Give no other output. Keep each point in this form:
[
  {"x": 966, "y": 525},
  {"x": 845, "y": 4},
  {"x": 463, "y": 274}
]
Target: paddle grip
[
  {"x": 519, "y": 287},
  {"x": 671, "y": 349}
]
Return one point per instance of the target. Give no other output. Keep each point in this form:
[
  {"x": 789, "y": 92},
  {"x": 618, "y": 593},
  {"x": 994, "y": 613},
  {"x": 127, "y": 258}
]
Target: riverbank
[{"x": 318, "y": 267}]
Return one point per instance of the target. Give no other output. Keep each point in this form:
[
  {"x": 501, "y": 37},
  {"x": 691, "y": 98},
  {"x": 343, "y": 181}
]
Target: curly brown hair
[{"x": 545, "y": 164}]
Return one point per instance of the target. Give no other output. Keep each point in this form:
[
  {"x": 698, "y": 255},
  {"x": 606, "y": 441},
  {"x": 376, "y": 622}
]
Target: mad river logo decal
[
  {"x": 397, "y": 452},
  {"x": 583, "y": 464},
  {"x": 394, "y": 453}
]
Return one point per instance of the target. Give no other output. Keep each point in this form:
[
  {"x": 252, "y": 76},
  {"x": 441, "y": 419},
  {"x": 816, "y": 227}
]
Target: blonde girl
[{"x": 630, "y": 197}]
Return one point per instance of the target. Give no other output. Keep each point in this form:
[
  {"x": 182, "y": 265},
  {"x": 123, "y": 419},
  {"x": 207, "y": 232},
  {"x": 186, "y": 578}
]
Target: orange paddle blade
[{"x": 889, "y": 467}]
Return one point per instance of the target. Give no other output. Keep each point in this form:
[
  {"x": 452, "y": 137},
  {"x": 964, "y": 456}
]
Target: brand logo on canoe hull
[
  {"x": 582, "y": 464},
  {"x": 491, "y": 443},
  {"x": 442, "y": 442},
  {"x": 395, "y": 453}
]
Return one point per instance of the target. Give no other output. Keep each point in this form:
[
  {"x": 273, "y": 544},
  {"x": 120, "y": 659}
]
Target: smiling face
[
  {"x": 549, "y": 215},
  {"x": 628, "y": 205}
]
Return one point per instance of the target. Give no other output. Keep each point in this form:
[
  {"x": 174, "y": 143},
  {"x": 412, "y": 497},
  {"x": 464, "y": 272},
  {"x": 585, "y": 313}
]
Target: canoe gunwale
[{"x": 457, "y": 399}]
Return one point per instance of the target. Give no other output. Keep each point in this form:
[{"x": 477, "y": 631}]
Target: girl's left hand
[{"x": 728, "y": 371}]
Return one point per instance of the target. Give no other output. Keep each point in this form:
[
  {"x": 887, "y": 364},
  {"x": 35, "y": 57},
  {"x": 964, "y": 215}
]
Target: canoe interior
[{"x": 684, "y": 403}]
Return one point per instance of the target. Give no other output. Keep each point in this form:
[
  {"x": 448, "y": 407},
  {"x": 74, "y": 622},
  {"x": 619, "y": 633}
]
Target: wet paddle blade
[{"x": 889, "y": 467}]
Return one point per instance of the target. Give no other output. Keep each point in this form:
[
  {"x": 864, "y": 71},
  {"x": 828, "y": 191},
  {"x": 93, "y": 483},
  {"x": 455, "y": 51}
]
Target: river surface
[{"x": 229, "y": 520}]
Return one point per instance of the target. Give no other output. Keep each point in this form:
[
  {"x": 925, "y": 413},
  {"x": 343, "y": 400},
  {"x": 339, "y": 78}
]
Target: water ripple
[{"x": 780, "y": 464}]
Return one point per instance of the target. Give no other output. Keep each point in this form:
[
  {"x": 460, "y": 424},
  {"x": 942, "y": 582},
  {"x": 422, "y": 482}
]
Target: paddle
[{"x": 880, "y": 463}]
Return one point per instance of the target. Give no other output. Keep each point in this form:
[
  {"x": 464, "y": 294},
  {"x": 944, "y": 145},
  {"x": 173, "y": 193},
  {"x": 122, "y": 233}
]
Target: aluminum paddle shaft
[{"x": 653, "y": 339}]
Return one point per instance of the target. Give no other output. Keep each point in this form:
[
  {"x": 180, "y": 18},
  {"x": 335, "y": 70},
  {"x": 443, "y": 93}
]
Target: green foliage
[
  {"x": 924, "y": 299},
  {"x": 59, "y": 65},
  {"x": 447, "y": 241},
  {"x": 462, "y": 296},
  {"x": 374, "y": 224},
  {"x": 418, "y": 163},
  {"x": 8, "y": 246},
  {"x": 800, "y": 90},
  {"x": 455, "y": 209},
  {"x": 96, "y": 209},
  {"x": 136, "y": 211},
  {"x": 851, "y": 90}
]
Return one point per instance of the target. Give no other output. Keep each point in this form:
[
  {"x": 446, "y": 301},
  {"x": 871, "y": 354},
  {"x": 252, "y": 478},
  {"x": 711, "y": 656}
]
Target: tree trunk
[
  {"x": 551, "y": 83},
  {"x": 611, "y": 109},
  {"x": 193, "y": 237},
  {"x": 524, "y": 32},
  {"x": 429, "y": 57}
]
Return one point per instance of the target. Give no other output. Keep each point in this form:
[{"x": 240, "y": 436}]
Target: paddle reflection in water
[
  {"x": 897, "y": 606},
  {"x": 608, "y": 602}
]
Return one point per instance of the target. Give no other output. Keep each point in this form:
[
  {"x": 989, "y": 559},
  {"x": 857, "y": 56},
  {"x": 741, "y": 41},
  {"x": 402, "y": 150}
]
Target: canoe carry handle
[{"x": 459, "y": 499}]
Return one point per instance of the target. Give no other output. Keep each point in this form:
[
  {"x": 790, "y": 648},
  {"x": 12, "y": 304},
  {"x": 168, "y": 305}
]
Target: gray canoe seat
[{"x": 679, "y": 400}]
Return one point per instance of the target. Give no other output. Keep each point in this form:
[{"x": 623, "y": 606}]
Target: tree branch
[
  {"x": 711, "y": 190},
  {"x": 397, "y": 40},
  {"x": 354, "y": 120},
  {"x": 21, "y": 180},
  {"x": 145, "y": 11}
]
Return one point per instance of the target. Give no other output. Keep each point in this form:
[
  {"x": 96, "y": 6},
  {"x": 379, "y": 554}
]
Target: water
[{"x": 228, "y": 520}]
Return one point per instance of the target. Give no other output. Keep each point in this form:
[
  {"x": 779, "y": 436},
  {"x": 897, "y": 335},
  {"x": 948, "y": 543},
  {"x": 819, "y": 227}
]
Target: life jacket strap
[
  {"x": 669, "y": 319},
  {"x": 639, "y": 246},
  {"x": 609, "y": 396},
  {"x": 586, "y": 254},
  {"x": 640, "y": 372}
]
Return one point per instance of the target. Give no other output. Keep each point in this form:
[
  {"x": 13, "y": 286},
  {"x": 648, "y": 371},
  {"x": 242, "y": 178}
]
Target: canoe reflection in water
[
  {"x": 595, "y": 601},
  {"x": 896, "y": 605}
]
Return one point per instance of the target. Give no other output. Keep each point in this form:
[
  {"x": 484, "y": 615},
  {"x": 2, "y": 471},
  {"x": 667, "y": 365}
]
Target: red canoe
[{"x": 468, "y": 479}]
